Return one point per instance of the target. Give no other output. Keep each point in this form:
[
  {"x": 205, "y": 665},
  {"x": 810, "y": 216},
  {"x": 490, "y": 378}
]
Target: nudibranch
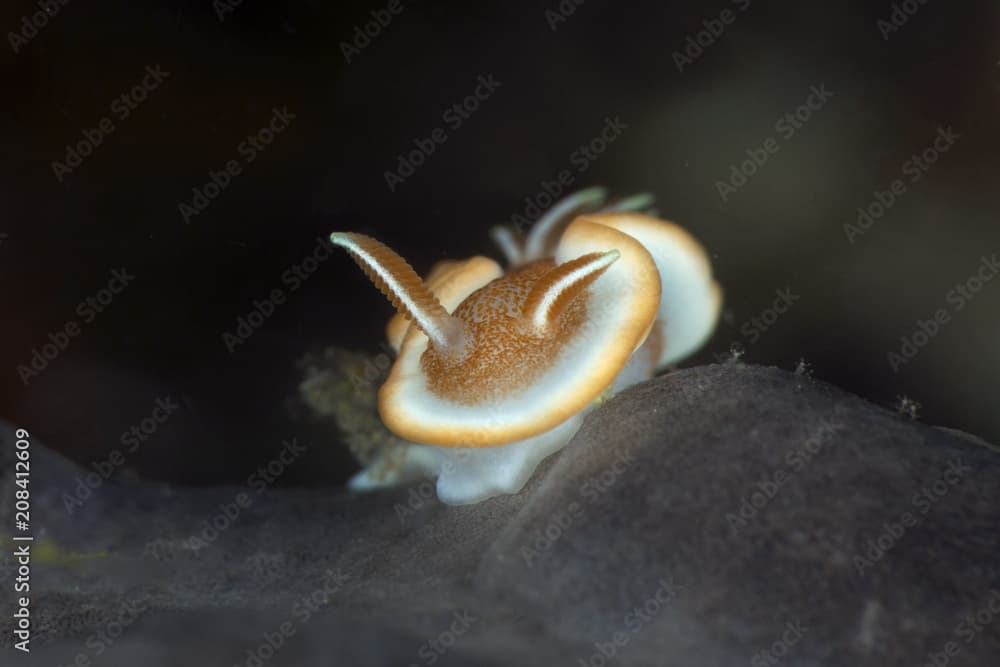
[{"x": 496, "y": 369}]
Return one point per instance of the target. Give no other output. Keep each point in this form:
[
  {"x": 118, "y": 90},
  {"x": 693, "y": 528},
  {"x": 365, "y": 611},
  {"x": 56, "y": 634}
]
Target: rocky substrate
[{"x": 719, "y": 515}]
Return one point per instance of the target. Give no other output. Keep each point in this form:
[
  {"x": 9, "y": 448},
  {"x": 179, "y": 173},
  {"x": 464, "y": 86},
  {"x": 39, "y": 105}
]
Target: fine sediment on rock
[{"x": 720, "y": 515}]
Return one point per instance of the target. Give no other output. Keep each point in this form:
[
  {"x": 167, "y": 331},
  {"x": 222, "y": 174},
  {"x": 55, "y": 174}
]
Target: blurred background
[{"x": 842, "y": 100}]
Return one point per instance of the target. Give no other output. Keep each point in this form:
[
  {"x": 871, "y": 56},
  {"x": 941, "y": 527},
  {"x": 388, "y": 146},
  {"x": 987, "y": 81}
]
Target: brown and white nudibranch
[{"x": 496, "y": 369}]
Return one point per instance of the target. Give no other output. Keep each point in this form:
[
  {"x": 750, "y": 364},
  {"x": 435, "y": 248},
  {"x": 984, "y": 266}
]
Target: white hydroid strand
[
  {"x": 538, "y": 237},
  {"x": 509, "y": 245}
]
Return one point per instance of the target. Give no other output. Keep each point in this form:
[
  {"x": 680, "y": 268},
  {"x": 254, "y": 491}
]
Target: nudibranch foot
[
  {"x": 471, "y": 475},
  {"x": 397, "y": 466}
]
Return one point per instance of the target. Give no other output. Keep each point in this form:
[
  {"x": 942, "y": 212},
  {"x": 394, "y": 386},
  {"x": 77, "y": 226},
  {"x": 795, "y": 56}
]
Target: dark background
[{"x": 784, "y": 228}]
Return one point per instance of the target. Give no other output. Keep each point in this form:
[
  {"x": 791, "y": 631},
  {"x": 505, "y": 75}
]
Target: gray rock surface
[{"x": 720, "y": 515}]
